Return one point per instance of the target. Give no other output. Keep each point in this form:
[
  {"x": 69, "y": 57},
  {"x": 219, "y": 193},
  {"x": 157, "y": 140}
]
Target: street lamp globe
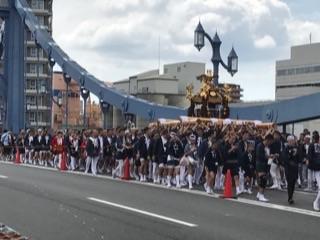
[
  {"x": 84, "y": 92},
  {"x": 51, "y": 62},
  {"x": 60, "y": 99},
  {"x": 104, "y": 106},
  {"x": 66, "y": 78},
  {"x": 233, "y": 62},
  {"x": 199, "y": 37}
]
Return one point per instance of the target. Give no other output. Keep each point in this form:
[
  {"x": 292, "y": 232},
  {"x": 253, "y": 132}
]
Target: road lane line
[
  {"x": 277, "y": 207},
  {"x": 3, "y": 177},
  {"x": 143, "y": 212}
]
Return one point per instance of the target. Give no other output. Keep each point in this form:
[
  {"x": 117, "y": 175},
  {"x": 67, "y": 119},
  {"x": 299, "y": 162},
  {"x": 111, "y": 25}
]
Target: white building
[
  {"x": 298, "y": 76},
  {"x": 167, "y": 89}
]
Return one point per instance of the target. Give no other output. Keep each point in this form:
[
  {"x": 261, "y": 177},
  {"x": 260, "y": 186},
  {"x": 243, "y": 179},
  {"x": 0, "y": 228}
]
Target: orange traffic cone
[
  {"x": 126, "y": 173},
  {"x": 17, "y": 157},
  {"x": 63, "y": 163},
  {"x": 228, "y": 186}
]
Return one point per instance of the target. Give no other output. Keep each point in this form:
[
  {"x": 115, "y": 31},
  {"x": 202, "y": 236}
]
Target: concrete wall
[
  {"x": 158, "y": 85},
  {"x": 186, "y": 72},
  {"x": 122, "y": 86},
  {"x": 178, "y": 100},
  {"x": 287, "y": 93}
]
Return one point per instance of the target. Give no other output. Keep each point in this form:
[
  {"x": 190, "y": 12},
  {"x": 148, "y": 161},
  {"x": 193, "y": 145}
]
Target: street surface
[{"x": 46, "y": 204}]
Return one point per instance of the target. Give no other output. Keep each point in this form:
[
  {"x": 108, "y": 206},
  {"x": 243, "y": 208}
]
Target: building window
[
  {"x": 31, "y": 100},
  {"x": 31, "y": 84},
  {"x": 291, "y": 71},
  {"x": 299, "y": 70},
  {"x": 32, "y": 52},
  {"x": 41, "y": 20},
  {"x": 165, "y": 70},
  {"x": 299, "y": 85},
  {"x": 32, "y": 68},
  {"x": 282, "y": 72},
  {"x": 32, "y": 116},
  {"x": 179, "y": 69},
  {"x": 37, "y": 4}
]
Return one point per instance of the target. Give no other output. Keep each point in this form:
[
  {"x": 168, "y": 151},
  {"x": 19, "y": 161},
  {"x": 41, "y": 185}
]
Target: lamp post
[
  {"x": 58, "y": 101},
  {"x": 104, "y": 109},
  {"x": 67, "y": 80},
  {"x": 199, "y": 42},
  {"x": 84, "y": 94},
  {"x": 129, "y": 119}
]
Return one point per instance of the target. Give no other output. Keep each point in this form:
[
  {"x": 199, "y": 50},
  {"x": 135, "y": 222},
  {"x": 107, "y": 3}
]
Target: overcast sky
[{"x": 114, "y": 39}]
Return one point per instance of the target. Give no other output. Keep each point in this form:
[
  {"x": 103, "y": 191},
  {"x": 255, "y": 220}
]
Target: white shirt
[
  {"x": 307, "y": 148},
  {"x": 164, "y": 141},
  {"x": 95, "y": 141},
  {"x": 47, "y": 139},
  {"x": 147, "y": 141},
  {"x": 101, "y": 143}
]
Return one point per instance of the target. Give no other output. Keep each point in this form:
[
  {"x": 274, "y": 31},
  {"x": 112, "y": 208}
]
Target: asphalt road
[{"x": 51, "y": 205}]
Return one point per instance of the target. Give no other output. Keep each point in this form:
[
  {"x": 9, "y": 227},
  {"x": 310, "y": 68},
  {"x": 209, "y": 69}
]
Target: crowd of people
[{"x": 181, "y": 155}]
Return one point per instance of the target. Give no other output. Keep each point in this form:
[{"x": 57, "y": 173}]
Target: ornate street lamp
[
  {"x": 51, "y": 62},
  {"x": 104, "y": 108},
  {"x": 67, "y": 80},
  {"x": 59, "y": 99},
  {"x": 84, "y": 94},
  {"x": 58, "y": 102},
  {"x": 232, "y": 67},
  {"x": 129, "y": 119}
]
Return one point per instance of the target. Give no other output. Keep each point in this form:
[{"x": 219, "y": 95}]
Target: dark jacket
[
  {"x": 291, "y": 161},
  {"x": 142, "y": 147},
  {"x": 93, "y": 151},
  {"x": 108, "y": 147},
  {"x": 175, "y": 149},
  {"x": 314, "y": 157},
  {"x": 261, "y": 158},
  {"x": 161, "y": 151}
]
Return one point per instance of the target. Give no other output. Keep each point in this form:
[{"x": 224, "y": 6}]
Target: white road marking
[
  {"x": 277, "y": 207},
  {"x": 143, "y": 212},
  {"x": 3, "y": 177}
]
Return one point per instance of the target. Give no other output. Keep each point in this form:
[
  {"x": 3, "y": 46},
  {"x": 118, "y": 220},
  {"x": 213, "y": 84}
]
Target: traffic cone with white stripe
[
  {"x": 228, "y": 186},
  {"x": 18, "y": 160},
  {"x": 63, "y": 162},
  {"x": 126, "y": 172}
]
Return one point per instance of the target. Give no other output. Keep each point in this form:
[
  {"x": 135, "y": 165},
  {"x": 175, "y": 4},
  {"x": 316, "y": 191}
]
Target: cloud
[
  {"x": 265, "y": 42},
  {"x": 300, "y": 31},
  {"x": 117, "y": 38}
]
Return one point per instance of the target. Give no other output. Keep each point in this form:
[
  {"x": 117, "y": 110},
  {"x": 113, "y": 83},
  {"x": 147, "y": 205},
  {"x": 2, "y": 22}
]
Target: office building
[
  {"x": 38, "y": 73},
  {"x": 299, "y": 76}
]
